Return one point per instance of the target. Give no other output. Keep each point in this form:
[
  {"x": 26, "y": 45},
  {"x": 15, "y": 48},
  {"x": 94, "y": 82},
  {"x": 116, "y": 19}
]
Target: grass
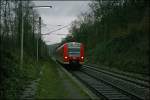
[
  {"x": 49, "y": 85},
  {"x": 53, "y": 85},
  {"x": 15, "y": 78}
]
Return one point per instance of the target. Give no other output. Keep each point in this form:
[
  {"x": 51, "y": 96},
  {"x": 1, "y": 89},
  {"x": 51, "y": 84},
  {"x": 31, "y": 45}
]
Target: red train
[{"x": 70, "y": 53}]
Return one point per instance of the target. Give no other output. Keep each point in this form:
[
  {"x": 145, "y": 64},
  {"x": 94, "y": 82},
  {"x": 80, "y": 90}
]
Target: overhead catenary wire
[{"x": 56, "y": 29}]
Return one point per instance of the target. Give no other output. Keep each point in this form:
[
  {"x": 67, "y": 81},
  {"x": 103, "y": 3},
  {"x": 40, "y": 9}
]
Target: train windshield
[{"x": 74, "y": 51}]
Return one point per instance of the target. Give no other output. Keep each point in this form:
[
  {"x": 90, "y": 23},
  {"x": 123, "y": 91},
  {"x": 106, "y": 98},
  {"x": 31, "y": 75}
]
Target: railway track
[
  {"x": 111, "y": 86},
  {"x": 140, "y": 80}
]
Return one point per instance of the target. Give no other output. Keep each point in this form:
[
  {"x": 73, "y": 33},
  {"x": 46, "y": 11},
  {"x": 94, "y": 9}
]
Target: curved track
[{"x": 111, "y": 86}]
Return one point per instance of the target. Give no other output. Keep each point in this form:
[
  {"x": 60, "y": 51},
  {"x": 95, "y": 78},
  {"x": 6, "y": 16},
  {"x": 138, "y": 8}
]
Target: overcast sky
[{"x": 62, "y": 13}]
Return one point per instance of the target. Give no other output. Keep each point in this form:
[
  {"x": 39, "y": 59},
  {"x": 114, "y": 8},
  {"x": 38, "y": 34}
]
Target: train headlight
[
  {"x": 66, "y": 57},
  {"x": 82, "y": 57}
]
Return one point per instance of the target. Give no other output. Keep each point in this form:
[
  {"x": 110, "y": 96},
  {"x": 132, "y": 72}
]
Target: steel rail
[
  {"x": 123, "y": 85},
  {"x": 101, "y": 88},
  {"x": 130, "y": 75},
  {"x": 140, "y": 82}
]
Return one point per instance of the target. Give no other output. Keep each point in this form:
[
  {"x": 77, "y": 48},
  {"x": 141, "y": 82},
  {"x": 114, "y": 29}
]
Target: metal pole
[
  {"x": 22, "y": 36},
  {"x": 1, "y": 36},
  {"x": 33, "y": 27},
  {"x": 0, "y": 19},
  {"x": 37, "y": 52},
  {"x": 38, "y": 38},
  {"x": 40, "y": 45}
]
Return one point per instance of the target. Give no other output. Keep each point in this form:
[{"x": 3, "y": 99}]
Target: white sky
[{"x": 62, "y": 13}]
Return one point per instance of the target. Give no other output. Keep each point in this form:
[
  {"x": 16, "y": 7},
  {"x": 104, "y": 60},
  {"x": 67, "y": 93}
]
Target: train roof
[
  {"x": 70, "y": 44},
  {"x": 74, "y": 44}
]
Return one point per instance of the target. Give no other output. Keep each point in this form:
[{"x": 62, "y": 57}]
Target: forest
[
  {"x": 19, "y": 23},
  {"x": 115, "y": 34}
]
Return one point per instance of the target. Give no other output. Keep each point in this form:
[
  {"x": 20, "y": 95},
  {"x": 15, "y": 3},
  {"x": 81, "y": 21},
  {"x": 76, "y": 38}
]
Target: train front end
[{"x": 74, "y": 53}]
